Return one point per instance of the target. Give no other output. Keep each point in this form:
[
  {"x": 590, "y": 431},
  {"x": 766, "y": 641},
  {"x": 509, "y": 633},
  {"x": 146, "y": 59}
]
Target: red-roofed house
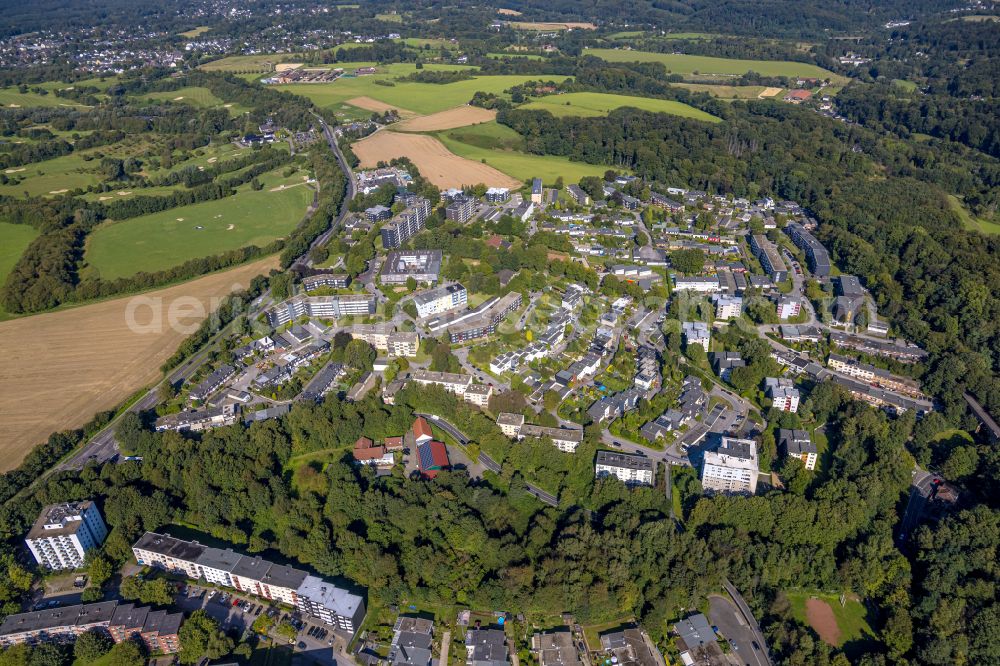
[
  {"x": 393, "y": 443},
  {"x": 366, "y": 453},
  {"x": 422, "y": 431},
  {"x": 497, "y": 243},
  {"x": 432, "y": 457},
  {"x": 797, "y": 96}
]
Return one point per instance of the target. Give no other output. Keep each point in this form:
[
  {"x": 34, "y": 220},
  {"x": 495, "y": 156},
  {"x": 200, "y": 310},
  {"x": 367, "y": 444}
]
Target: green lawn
[
  {"x": 709, "y": 66},
  {"x": 908, "y": 86},
  {"x": 162, "y": 240},
  {"x": 11, "y": 97},
  {"x": 600, "y": 104},
  {"x": 499, "y": 146},
  {"x": 14, "y": 238},
  {"x": 422, "y": 98},
  {"x": 850, "y": 617},
  {"x": 195, "y": 96},
  {"x": 969, "y": 221}
]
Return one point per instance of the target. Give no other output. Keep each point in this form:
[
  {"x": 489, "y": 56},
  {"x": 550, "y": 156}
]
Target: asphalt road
[{"x": 724, "y": 615}]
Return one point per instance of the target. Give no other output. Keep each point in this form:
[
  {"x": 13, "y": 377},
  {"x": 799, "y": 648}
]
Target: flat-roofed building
[
  {"x": 696, "y": 283},
  {"x": 510, "y": 424},
  {"x": 424, "y": 266},
  {"x": 64, "y": 533},
  {"x": 630, "y": 469},
  {"x": 451, "y": 381},
  {"x": 696, "y": 333},
  {"x": 442, "y": 299},
  {"x": 732, "y": 468},
  {"x": 555, "y": 648},
  {"x": 564, "y": 439},
  {"x": 461, "y": 209},
  {"x": 478, "y": 394}
]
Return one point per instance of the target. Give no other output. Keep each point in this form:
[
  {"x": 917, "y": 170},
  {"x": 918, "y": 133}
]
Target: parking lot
[{"x": 315, "y": 642}]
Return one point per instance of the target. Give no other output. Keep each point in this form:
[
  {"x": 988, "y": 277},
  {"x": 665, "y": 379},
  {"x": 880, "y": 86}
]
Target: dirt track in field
[
  {"x": 60, "y": 368},
  {"x": 436, "y": 163},
  {"x": 460, "y": 116},
  {"x": 821, "y": 618}
]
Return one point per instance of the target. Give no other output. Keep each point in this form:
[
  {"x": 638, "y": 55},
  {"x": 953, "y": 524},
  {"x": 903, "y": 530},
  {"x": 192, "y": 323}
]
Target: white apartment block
[
  {"x": 696, "y": 283},
  {"x": 784, "y": 396},
  {"x": 451, "y": 381},
  {"x": 727, "y": 307},
  {"x": 632, "y": 470},
  {"x": 798, "y": 444},
  {"x": 510, "y": 424},
  {"x": 478, "y": 394},
  {"x": 696, "y": 333},
  {"x": 63, "y": 534},
  {"x": 442, "y": 299},
  {"x": 732, "y": 468}
]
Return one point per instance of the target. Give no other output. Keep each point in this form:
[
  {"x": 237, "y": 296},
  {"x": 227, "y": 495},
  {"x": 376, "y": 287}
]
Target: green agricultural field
[
  {"x": 246, "y": 63},
  {"x": 726, "y": 92},
  {"x": 498, "y": 146},
  {"x": 600, "y": 104},
  {"x": 435, "y": 43},
  {"x": 851, "y": 618},
  {"x": 196, "y": 96},
  {"x": 162, "y": 240},
  {"x": 422, "y": 98},
  {"x": 526, "y": 56},
  {"x": 390, "y": 18},
  {"x": 14, "y": 238},
  {"x": 707, "y": 66}
]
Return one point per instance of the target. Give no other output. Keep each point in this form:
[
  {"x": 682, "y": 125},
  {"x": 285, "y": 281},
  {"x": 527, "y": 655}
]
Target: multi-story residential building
[
  {"x": 631, "y": 470},
  {"x": 63, "y": 533},
  {"x": 899, "y": 350},
  {"x": 536, "y": 191},
  {"x": 783, "y": 394},
  {"x": 817, "y": 257},
  {"x": 798, "y": 444},
  {"x": 867, "y": 372},
  {"x": 332, "y": 280},
  {"x": 212, "y": 383},
  {"x": 578, "y": 195},
  {"x": 727, "y": 307},
  {"x": 724, "y": 362},
  {"x": 769, "y": 257},
  {"x": 564, "y": 439},
  {"x": 788, "y": 307},
  {"x": 510, "y": 424},
  {"x": 497, "y": 194},
  {"x": 732, "y": 468},
  {"x": 402, "y": 344},
  {"x": 478, "y": 395},
  {"x": 200, "y": 419},
  {"x": 157, "y": 629},
  {"x": 321, "y": 307},
  {"x": 486, "y": 320},
  {"x": 614, "y": 406},
  {"x": 253, "y": 575},
  {"x": 442, "y": 299},
  {"x": 408, "y": 223},
  {"x": 424, "y": 266},
  {"x": 878, "y": 397},
  {"x": 696, "y": 333},
  {"x": 383, "y": 337},
  {"x": 378, "y": 213},
  {"x": 452, "y": 382},
  {"x": 696, "y": 283},
  {"x": 461, "y": 209}
]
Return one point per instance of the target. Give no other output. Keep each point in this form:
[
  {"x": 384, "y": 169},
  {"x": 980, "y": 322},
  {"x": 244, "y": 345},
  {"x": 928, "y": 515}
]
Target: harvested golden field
[
  {"x": 769, "y": 92},
  {"x": 436, "y": 163},
  {"x": 60, "y": 368},
  {"x": 372, "y": 104},
  {"x": 460, "y": 116},
  {"x": 508, "y": 12}
]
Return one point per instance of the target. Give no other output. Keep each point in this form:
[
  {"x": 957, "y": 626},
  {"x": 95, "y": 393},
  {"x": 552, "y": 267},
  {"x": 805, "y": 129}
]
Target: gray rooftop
[
  {"x": 80, "y": 615},
  {"x": 61, "y": 519},
  {"x": 624, "y": 460},
  {"x": 169, "y": 546}
]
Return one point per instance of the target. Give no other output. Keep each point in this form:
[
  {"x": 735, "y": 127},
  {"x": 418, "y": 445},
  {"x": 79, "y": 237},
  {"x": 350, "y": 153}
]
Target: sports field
[
  {"x": 62, "y": 367},
  {"x": 169, "y": 238},
  {"x": 500, "y": 147},
  {"x": 600, "y": 104},
  {"x": 724, "y": 67},
  {"x": 834, "y": 623},
  {"x": 14, "y": 238},
  {"x": 436, "y": 163},
  {"x": 422, "y": 98}
]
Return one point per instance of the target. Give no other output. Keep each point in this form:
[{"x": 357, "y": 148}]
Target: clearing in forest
[
  {"x": 601, "y": 104},
  {"x": 822, "y": 619}
]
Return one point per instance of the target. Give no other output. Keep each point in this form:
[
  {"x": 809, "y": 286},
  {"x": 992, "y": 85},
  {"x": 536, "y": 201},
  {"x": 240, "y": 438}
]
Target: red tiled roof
[
  {"x": 363, "y": 443},
  {"x": 494, "y": 242},
  {"x": 392, "y": 443},
  {"x": 432, "y": 457},
  {"x": 421, "y": 428},
  {"x": 369, "y": 453}
]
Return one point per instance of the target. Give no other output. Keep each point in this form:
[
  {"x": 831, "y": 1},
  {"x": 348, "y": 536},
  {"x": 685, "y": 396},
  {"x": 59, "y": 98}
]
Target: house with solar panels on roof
[{"x": 432, "y": 457}]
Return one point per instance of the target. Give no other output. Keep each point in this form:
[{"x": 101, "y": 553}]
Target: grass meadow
[
  {"x": 689, "y": 65},
  {"x": 600, "y": 104}
]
